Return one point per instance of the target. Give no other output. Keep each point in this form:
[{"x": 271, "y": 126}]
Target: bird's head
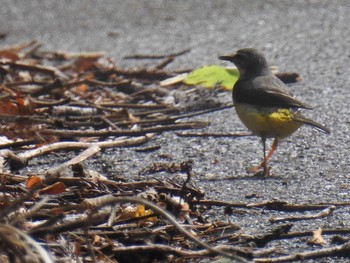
[{"x": 249, "y": 61}]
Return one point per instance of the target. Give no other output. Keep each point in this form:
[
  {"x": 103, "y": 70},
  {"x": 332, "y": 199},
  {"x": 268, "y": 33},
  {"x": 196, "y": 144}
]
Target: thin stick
[
  {"x": 106, "y": 133},
  {"x": 208, "y": 134},
  {"x": 142, "y": 56},
  {"x": 341, "y": 251},
  {"x": 323, "y": 213},
  {"x": 76, "y": 145}
]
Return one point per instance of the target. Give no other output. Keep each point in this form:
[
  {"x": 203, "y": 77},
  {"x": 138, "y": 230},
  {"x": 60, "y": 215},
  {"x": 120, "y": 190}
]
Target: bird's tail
[{"x": 312, "y": 123}]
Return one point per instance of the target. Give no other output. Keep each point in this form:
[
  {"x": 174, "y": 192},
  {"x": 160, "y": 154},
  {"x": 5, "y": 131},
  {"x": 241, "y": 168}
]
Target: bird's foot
[{"x": 258, "y": 172}]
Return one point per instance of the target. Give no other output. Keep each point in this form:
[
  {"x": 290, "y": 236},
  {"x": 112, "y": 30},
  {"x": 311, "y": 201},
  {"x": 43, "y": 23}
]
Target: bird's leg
[
  {"x": 264, "y": 162},
  {"x": 255, "y": 169},
  {"x": 267, "y": 157},
  {"x": 272, "y": 149}
]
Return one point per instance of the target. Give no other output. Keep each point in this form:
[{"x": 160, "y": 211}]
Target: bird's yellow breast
[{"x": 268, "y": 122}]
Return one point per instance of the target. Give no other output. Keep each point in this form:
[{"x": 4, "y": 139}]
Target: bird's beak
[{"x": 228, "y": 57}]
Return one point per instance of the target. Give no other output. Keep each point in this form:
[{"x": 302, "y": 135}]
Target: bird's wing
[
  {"x": 281, "y": 99},
  {"x": 267, "y": 91},
  {"x": 312, "y": 123}
]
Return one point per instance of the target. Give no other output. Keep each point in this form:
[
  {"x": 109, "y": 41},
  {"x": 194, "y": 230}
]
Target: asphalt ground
[{"x": 308, "y": 37}]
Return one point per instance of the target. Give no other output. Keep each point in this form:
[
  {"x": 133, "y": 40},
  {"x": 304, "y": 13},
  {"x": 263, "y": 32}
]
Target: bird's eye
[
  {"x": 238, "y": 56},
  {"x": 238, "y": 59}
]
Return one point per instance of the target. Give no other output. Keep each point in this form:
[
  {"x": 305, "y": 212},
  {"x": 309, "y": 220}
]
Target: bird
[{"x": 264, "y": 103}]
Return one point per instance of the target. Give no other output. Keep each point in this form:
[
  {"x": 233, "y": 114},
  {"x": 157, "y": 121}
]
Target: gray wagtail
[{"x": 264, "y": 104}]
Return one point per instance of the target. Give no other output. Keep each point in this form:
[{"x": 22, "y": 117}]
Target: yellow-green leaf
[{"x": 209, "y": 76}]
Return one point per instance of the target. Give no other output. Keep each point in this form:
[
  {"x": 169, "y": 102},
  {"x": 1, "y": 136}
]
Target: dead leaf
[
  {"x": 123, "y": 115},
  {"x": 95, "y": 201},
  {"x": 173, "y": 80},
  {"x": 10, "y": 55},
  {"x": 80, "y": 89},
  {"x": 77, "y": 248},
  {"x": 24, "y": 105},
  {"x": 83, "y": 64},
  {"x": 54, "y": 189},
  {"x": 136, "y": 211},
  {"x": 57, "y": 211},
  {"x": 33, "y": 181},
  {"x": 317, "y": 238},
  {"x": 96, "y": 240},
  {"x": 8, "y": 108}
]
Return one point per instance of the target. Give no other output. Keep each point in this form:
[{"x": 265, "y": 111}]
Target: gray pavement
[{"x": 308, "y": 37}]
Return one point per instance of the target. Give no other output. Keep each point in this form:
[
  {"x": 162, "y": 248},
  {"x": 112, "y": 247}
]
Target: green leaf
[{"x": 209, "y": 76}]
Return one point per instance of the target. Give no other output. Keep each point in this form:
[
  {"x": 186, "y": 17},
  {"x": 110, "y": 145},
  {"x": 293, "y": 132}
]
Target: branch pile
[{"x": 54, "y": 101}]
